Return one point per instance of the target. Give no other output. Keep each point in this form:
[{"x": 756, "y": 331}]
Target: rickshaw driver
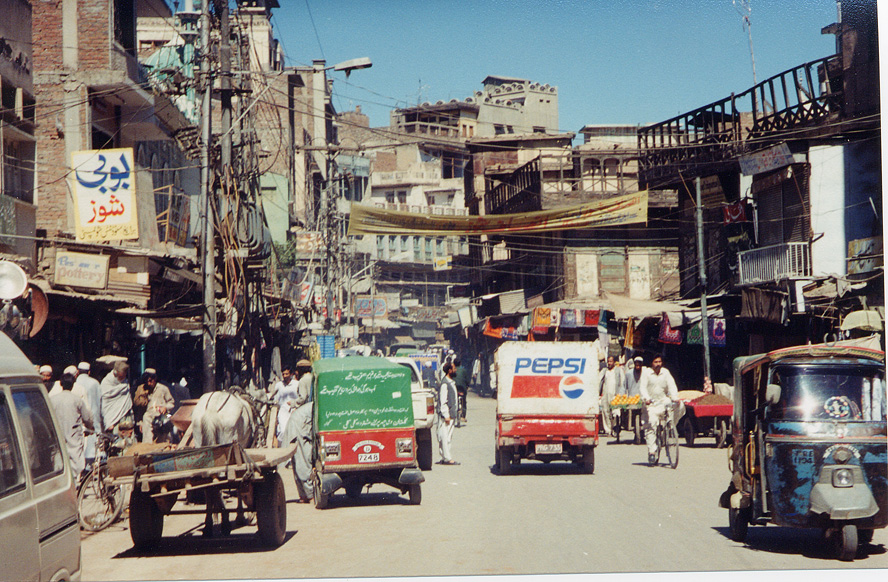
[{"x": 658, "y": 391}]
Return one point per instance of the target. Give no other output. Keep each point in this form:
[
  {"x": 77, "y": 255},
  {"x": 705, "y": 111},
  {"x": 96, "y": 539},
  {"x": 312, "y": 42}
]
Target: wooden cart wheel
[
  {"x": 271, "y": 510},
  {"x": 145, "y": 519}
]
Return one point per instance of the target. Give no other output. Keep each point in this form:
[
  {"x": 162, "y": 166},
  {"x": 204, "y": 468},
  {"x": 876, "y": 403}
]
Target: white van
[{"x": 39, "y": 532}]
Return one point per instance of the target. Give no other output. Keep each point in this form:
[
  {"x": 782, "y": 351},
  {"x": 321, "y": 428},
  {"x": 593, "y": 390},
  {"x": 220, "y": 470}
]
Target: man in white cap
[
  {"x": 73, "y": 416},
  {"x": 45, "y": 372},
  {"x": 160, "y": 401},
  {"x": 57, "y": 387},
  {"x": 633, "y": 379},
  {"x": 117, "y": 403}
]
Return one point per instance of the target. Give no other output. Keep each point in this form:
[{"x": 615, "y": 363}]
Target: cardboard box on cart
[{"x": 547, "y": 403}]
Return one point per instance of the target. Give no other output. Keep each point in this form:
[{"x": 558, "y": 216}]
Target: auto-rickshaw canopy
[{"x": 361, "y": 393}]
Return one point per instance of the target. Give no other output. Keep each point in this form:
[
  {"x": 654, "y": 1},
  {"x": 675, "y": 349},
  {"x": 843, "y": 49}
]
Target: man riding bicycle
[{"x": 658, "y": 392}]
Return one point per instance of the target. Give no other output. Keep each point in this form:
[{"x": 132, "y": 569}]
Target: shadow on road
[
  {"x": 802, "y": 542},
  {"x": 340, "y": 500},
  {"x": 539, "y": 468},
  {"x": 194, "y": 544}
]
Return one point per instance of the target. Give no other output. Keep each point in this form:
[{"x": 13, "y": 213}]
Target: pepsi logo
[{"x": 572, "y": 387}]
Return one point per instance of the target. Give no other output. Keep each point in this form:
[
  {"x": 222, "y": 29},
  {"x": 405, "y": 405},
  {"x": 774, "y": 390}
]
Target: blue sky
[{"x": 620, "y": 61}]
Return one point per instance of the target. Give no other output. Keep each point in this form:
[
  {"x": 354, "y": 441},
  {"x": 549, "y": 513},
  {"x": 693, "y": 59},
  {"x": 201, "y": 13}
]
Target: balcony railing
[
  {"x": 774, "y": 263},
  {"x": 806, "y": 96}
]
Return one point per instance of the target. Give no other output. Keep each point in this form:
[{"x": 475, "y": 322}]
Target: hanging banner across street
[{"x": 626, "y": 209}]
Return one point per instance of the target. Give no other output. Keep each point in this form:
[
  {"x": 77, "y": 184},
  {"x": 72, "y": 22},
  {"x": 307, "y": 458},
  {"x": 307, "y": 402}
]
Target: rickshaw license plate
[
  {"x": 368, "y": 457},
  {"x": 548, "y": 448}
]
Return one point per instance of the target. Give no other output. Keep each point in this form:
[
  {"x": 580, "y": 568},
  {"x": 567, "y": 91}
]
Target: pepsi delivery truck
[{"x": 547, "y": 403}]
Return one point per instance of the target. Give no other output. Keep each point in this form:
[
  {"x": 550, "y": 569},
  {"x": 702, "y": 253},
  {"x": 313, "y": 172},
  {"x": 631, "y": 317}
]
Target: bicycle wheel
[
  {"x": 99, "y": 505},
  {"x": 671, "y": 434},
  {"x": 660, "y": 443}
]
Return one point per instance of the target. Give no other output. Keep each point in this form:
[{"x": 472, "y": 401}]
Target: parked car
[
  {"x": 39, "y": 531},
  {"x": 423, "y": 411}
]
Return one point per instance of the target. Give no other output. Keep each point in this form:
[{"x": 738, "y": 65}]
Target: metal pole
[
  {"x": 704, "y": 320},
  {"x": 225, "y": 84},
  {"x": 209, "y": 265}
]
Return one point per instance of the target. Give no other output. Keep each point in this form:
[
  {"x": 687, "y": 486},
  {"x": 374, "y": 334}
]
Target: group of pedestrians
[
  {"x": 292, "y": 394},
  {"x": 85, "y": 406},
  {"x": 655, "y": 386}
]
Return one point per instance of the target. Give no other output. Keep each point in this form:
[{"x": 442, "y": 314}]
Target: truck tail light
[{"x": 430, "y": 405}]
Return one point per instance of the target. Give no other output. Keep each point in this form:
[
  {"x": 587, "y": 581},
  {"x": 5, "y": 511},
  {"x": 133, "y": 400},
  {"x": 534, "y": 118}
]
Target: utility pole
[
  {"x": 701, "y": 258},
  {"x": 208, "y": 238}
]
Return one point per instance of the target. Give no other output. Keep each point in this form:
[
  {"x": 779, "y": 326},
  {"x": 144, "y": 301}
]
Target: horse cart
[{"x": 160, "y": 479}]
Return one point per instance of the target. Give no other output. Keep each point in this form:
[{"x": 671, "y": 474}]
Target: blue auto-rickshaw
[{"x": 810, "y": 448}]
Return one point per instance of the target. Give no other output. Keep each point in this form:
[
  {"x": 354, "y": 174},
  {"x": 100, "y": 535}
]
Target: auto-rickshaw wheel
[
  {"x": 738, "y": 523},
  {"x": 319, "y": 498},
  {"x": 846, "y": 542},
  {"x": 415, "y": 494}
]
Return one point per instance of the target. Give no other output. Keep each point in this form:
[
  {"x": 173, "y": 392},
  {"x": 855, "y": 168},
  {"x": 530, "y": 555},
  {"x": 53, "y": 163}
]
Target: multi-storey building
[{"x": 790, "y": 186}]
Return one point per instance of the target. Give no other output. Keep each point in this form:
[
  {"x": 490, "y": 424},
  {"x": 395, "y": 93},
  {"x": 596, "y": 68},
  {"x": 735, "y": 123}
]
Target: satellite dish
[{"x": 13, "y": 280}]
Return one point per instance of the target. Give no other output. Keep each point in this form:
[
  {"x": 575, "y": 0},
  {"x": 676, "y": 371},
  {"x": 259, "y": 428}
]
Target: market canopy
[{"x": 616, "y": 211}]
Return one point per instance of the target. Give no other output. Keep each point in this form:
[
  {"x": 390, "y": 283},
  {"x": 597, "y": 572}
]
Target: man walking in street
[
  {"x": 658, "y": 391},
  {"x": 461, "y": 378},
  {"x": 285, "y": 394},
  {"x": 298, "y": 431},
  {"x": 447, "y": 399},
  {"x": 613, "y": 382},
  {"x": 73, "y": 416}
]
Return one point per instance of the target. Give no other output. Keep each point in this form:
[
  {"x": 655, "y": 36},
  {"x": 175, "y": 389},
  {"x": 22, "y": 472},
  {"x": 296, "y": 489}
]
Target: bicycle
[
  {"x": 99, "y": 504},
  {"x": 667, "y": 436}
]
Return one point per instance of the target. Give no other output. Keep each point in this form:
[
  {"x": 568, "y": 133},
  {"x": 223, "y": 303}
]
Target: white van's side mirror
[{"x": 772, "y": 394}]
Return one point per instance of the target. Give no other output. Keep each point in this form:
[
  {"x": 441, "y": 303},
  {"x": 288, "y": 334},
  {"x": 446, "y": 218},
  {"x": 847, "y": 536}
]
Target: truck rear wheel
[
  {"x": 503, "y": 462},
  {"x": 589, "y": 460},
  {"x": 424, "y": 450}
]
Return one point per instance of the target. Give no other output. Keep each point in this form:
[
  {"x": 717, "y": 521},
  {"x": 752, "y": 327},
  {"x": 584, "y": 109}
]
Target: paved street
[{"x": 627, "y": 517}]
